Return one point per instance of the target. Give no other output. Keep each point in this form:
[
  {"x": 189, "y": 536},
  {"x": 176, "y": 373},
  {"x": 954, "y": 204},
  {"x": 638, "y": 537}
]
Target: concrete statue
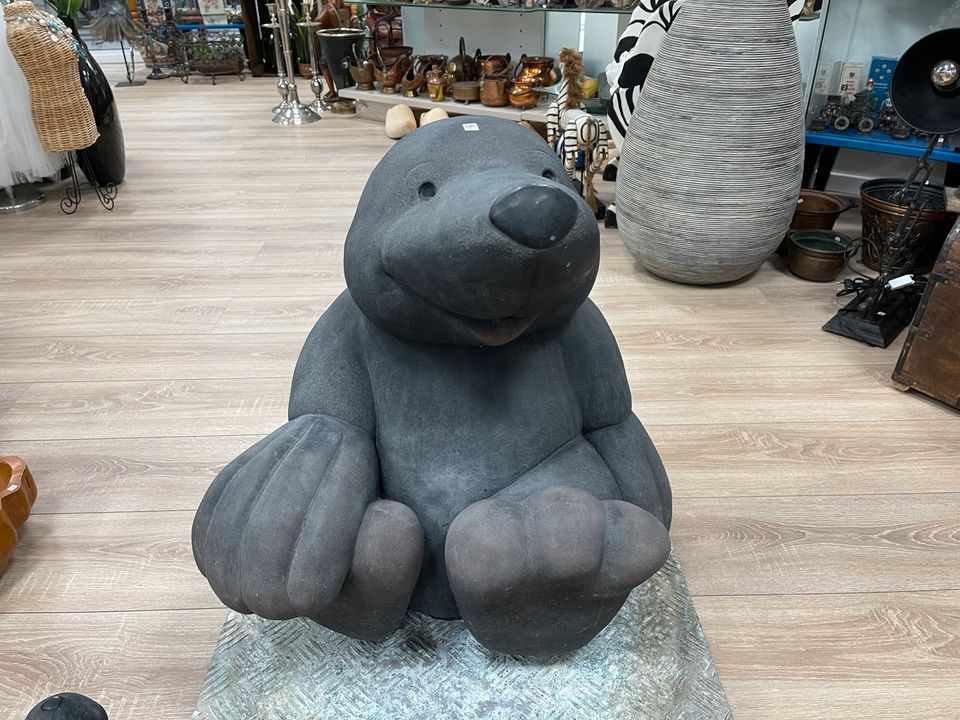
[{"x": 461, "y": 440}]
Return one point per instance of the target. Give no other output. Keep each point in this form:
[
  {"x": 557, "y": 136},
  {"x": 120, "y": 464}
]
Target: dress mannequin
[
  {"x": 22, "y": 157},
  {"x": 44, "y": 49}
]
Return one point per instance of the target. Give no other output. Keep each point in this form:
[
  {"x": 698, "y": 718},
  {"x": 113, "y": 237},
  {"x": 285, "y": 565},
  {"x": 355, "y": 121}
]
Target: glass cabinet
[{"x": 858, "y": 45}]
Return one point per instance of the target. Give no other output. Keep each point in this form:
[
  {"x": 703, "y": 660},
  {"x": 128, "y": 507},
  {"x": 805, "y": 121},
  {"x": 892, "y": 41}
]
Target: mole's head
[{"x": 469, "y": 232}]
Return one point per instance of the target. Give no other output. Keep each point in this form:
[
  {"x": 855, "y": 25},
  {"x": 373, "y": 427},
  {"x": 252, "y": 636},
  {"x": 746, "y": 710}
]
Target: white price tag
[{"x": 471, "y": 127}]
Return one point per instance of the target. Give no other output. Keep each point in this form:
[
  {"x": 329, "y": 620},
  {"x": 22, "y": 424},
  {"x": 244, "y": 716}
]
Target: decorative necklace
[{"x": 54, "y": 28}]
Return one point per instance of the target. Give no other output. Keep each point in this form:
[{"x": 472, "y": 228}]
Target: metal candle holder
[
  {"x": 293, "y": 112},
  {"x": 319, "y": 105},
  {"x": 282, "y": 83}
]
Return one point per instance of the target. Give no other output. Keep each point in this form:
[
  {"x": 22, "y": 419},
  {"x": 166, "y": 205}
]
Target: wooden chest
[{"x": 930, "y": 361}]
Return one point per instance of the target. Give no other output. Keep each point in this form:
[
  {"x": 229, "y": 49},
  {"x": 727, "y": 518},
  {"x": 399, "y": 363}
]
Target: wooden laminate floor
[{"x": 817, "y": 508}]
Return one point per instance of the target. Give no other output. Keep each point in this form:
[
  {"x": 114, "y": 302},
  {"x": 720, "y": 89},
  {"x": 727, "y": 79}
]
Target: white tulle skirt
[{"x": 22, "y": 157}]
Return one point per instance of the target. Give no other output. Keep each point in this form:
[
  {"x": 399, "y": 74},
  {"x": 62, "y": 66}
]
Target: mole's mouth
[{"x": 492, "y": 331}]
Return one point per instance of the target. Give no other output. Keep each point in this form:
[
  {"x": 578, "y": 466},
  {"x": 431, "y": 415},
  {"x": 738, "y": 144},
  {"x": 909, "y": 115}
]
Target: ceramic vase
[
  {"x": 106, "y": 160},
  {"x": 711, "y": 167}
]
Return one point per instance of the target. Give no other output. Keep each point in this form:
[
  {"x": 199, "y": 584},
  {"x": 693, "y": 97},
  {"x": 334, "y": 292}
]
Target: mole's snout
[{"x": 537, "y": 216}]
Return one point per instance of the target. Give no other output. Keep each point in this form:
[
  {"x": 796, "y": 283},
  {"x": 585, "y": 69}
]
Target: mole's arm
[
  {"x": 331, "y": 376},
  {"x": 596, "y": 372}
]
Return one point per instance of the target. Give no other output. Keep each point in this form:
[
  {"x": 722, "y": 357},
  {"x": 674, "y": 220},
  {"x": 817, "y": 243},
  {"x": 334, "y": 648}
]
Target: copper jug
[
  {"x": 436, "y": 83},
  {"x": 493, "y": 92}
]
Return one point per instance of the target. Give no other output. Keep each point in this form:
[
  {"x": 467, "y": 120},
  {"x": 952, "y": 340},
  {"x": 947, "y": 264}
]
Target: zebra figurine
[{"x": 571, "y": 129}]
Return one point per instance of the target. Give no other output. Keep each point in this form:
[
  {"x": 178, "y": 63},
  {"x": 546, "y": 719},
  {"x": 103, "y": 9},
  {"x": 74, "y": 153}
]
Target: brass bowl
[
  {"x": 466, "y": 91},
  {"x": 819, "y": 255}
]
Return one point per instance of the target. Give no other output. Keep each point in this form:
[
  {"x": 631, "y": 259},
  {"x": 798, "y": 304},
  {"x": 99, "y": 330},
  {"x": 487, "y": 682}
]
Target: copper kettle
[{"x": 462, "y": 67}]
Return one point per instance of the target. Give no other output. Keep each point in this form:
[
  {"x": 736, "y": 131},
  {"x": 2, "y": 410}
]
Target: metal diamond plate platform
[{"x": 650, "y": 663}]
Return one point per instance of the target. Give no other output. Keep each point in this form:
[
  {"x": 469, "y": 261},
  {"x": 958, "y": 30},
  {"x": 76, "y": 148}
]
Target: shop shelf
[
  {"x": 877, "y": 142},
  {"x": 375, "y": 97},
  {"x": 499, "y": 8}
]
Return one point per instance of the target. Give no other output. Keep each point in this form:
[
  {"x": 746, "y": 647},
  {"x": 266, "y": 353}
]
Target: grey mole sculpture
[{"x": 461, "y": 440}]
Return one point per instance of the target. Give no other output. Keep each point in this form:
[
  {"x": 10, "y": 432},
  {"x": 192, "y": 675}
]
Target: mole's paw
[{"x": 544, "y": 575}]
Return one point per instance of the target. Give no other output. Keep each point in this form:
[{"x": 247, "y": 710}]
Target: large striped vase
[{"x": 711, "y": 167}]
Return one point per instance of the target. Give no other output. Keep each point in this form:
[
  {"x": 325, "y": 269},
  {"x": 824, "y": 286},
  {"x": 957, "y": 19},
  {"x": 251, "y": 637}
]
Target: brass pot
[
  {"x": 881, "y": 217},
  {"x": 818, "y": 255},
  {"x": 536, "y": 69},
  {"x": 523, "y": 94},
  {"x": 429, "y": 61},
  {"x": 390, "y": 53},
  {"x": 819, "y": 210},
  {"x": 491, "y": 65},
  {"x": 466, "y": 91},
  {"x": 362, "y": 75},
  {"x": 493, "y": 91}
]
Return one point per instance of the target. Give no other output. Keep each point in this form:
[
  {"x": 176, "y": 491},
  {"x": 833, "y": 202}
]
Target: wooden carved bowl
[{"x": 17, "y": 495}]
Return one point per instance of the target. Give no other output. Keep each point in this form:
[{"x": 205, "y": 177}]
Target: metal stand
[
  {"x": 283, "y": 84},
  {"x": 294, "y": 112},
  {"x": 130, "y": 67},
  {"x": 319, "y": 105},
  {"x": 106, "y": 194},
  {"x": 157, "y": 74},
  {"x": 880, "y": 313},
  {"x": 20, "y": 198}
]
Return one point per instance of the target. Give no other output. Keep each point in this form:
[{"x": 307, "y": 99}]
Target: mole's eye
[
  {"x": 549, "y": 174},
  {"x": 427, "y": 190}
]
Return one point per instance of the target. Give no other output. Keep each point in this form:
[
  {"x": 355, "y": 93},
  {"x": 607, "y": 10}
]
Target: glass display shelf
[
  {"x": 609, "y": 10},
  {"x": 210, "y": 26},
  {"x": 375, "y": 97},
  {"x": 860, "y": 45},
  {"x": 879, "y": 142}
]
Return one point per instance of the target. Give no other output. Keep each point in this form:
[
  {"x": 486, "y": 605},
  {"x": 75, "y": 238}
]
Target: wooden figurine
[
  {"x": 570, "y": 129},
  {"x": 17, "y": 495}
]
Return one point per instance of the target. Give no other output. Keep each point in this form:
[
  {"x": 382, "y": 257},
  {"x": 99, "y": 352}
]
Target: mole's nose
[{"x": 537, "y": 216}]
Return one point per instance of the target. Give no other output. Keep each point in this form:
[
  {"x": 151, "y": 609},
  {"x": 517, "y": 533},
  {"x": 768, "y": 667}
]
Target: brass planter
[
  {"x": 818, "y": 255},
  {"x": 881, "y": 216}
]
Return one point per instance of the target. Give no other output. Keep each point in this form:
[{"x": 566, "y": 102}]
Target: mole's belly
[
  {"x": 439, "y": 471},
  {"x": 456, "y": 425}
]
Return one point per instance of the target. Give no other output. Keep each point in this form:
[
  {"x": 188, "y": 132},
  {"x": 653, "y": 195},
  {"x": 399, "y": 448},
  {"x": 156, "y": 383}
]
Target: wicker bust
[
  {"x": 461, "y": 440},
  {"x": 44, "y": 49}
]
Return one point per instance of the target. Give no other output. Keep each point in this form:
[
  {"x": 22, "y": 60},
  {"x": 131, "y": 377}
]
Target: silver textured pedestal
[{"x": 650, "y": 663}]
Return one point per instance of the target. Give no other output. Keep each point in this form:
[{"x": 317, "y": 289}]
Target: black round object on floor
[{"x": 68, "y": 706}]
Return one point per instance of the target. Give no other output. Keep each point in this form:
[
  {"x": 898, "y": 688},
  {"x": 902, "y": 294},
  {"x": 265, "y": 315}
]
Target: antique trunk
[{"x": 930, "y": 361}]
